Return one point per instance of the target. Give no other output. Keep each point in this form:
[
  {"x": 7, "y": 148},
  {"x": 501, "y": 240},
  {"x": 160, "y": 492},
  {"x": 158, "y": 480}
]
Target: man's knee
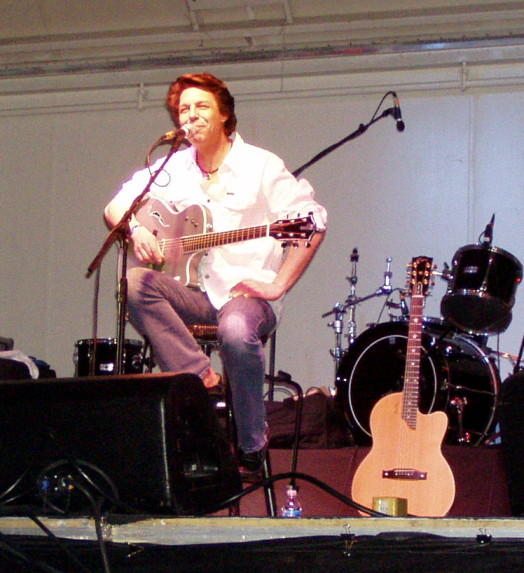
[{"x": 235, "y": 331}]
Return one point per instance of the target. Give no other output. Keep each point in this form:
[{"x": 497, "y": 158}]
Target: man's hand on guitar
[
  {"x": 145, "y": 246},
  {"x": 257, "y": 289}
]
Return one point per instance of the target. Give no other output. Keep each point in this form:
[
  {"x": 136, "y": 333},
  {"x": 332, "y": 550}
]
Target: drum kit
[{"x": 459, "y": 373}]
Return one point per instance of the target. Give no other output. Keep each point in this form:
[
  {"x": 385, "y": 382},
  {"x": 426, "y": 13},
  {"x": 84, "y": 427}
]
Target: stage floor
[
  {"x": 478, "y": 535},
  {"x": 481, "y": 505},
  {"x": 479, "y": 473},
  {"x": 184, "y": 531},
  {"x": 259, "y": 545}
]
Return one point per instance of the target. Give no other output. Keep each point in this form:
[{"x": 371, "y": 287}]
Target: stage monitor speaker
[
  {"x": 153, "y": 442},
  {"x": 511, "y": 413}
]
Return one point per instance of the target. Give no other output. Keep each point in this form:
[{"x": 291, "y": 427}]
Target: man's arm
[
  {"x": 144, "y": 242},
  {"x": 296, "y": 262}
]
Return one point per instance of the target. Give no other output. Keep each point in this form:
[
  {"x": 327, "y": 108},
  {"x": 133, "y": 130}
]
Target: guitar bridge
[{"x": 404, "y": 473}]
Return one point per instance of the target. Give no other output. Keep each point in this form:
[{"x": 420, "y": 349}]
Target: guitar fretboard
[
  {"x": 195, "y": 243},
  {"x": 412, "y": 371}
]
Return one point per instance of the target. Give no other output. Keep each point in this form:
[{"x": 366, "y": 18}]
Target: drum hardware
[
  {"x": 445, "y": 273},
  {"x": 507, "y": 356},
  {"x": 338, "y": 326},
  {"x": 471, "y": 390},
  {"x": 458, "y": 404},
  {"x": 353, "y": 279},
  {"x": 486, "y": 237},
  {"x": 516, "y": 368},
  {"x": 148, "y": 360},
  {"x": 402, "y": 306},
  {"x": 350, "y": 305}
]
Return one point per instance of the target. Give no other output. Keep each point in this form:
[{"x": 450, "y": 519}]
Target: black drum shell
[
  {"x": 481, "y": 292},
  {"x": 452, "y": 366},
  {"x": 97, "y": 357}
]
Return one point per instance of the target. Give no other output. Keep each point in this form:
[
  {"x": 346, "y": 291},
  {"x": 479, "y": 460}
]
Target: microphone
[
  {"x": 488, "y": 232},
  {"x": 397, "y": 114},
  {"x": 176, "y": 136}
]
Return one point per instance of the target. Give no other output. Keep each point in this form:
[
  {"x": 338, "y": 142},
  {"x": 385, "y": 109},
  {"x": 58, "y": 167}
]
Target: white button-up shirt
[{"x": 254, "y": 188}]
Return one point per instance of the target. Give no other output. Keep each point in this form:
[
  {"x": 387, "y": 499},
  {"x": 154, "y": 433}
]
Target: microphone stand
[
  {"x": 339, "y": 309},
  {"x": 362, "y": 128},
  {"x": 120, "y": 233}
]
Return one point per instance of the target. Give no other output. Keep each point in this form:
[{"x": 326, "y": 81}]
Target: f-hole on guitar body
[{"x": 405, "y": 460}]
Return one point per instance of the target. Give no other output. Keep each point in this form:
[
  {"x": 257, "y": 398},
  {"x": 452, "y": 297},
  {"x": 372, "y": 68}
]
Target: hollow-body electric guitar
[
  {"x": 405, "y": 460},
  {"x": 184, "y": 236}
]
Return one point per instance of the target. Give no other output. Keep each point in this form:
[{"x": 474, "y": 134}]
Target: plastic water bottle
[{"x": 291, "y": 507}]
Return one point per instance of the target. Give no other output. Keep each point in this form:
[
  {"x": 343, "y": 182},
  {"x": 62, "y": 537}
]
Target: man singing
[{"x": 240, "y": 286}]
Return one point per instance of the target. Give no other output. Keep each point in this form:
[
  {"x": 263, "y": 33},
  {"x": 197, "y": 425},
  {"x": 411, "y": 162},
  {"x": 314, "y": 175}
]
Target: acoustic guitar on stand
[
  {"x": 405, "y": 459},
  {"x": 184, "y": 236}
]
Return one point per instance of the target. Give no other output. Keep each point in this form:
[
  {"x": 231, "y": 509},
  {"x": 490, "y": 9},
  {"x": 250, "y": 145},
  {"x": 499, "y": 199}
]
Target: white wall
[{"x": 429, "y": 190}]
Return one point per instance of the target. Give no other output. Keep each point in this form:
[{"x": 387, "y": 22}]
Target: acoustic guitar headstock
[{"x": 420, "y": 275}]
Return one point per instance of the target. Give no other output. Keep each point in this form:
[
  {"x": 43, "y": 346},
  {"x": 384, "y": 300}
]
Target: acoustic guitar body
[{"x": 406, "y": 462}]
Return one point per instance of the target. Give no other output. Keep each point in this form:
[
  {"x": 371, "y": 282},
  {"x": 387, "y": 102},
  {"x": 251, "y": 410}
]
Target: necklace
[{"x": 207, "y": 174}]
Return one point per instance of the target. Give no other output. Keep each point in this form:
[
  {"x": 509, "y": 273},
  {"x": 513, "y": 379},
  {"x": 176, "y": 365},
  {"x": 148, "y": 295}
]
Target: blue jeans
[{"x": 160, "y": 307}]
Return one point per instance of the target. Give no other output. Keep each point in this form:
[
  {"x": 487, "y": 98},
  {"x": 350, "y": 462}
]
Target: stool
[{"x": 206, "y": 336}]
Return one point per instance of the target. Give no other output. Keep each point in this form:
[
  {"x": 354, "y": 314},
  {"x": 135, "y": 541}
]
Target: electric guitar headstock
[{"x": 293, "y": 230}]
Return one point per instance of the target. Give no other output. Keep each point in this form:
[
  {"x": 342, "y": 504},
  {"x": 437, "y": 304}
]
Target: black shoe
[{"x": 251, "y": 463}]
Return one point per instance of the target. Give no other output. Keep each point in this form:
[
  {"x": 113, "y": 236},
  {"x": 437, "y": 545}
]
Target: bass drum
[
  {"x": 97, "y": 357},
  {"x": 456, "y": 376}
]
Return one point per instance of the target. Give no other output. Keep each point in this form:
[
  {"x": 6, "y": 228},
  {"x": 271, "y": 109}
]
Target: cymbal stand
[
  {"x": 351, "y": 303},
  {"x": 340, "y": 309},
  {"x": 351, "y": 300},
  {"x": 338, "y": 326}
]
